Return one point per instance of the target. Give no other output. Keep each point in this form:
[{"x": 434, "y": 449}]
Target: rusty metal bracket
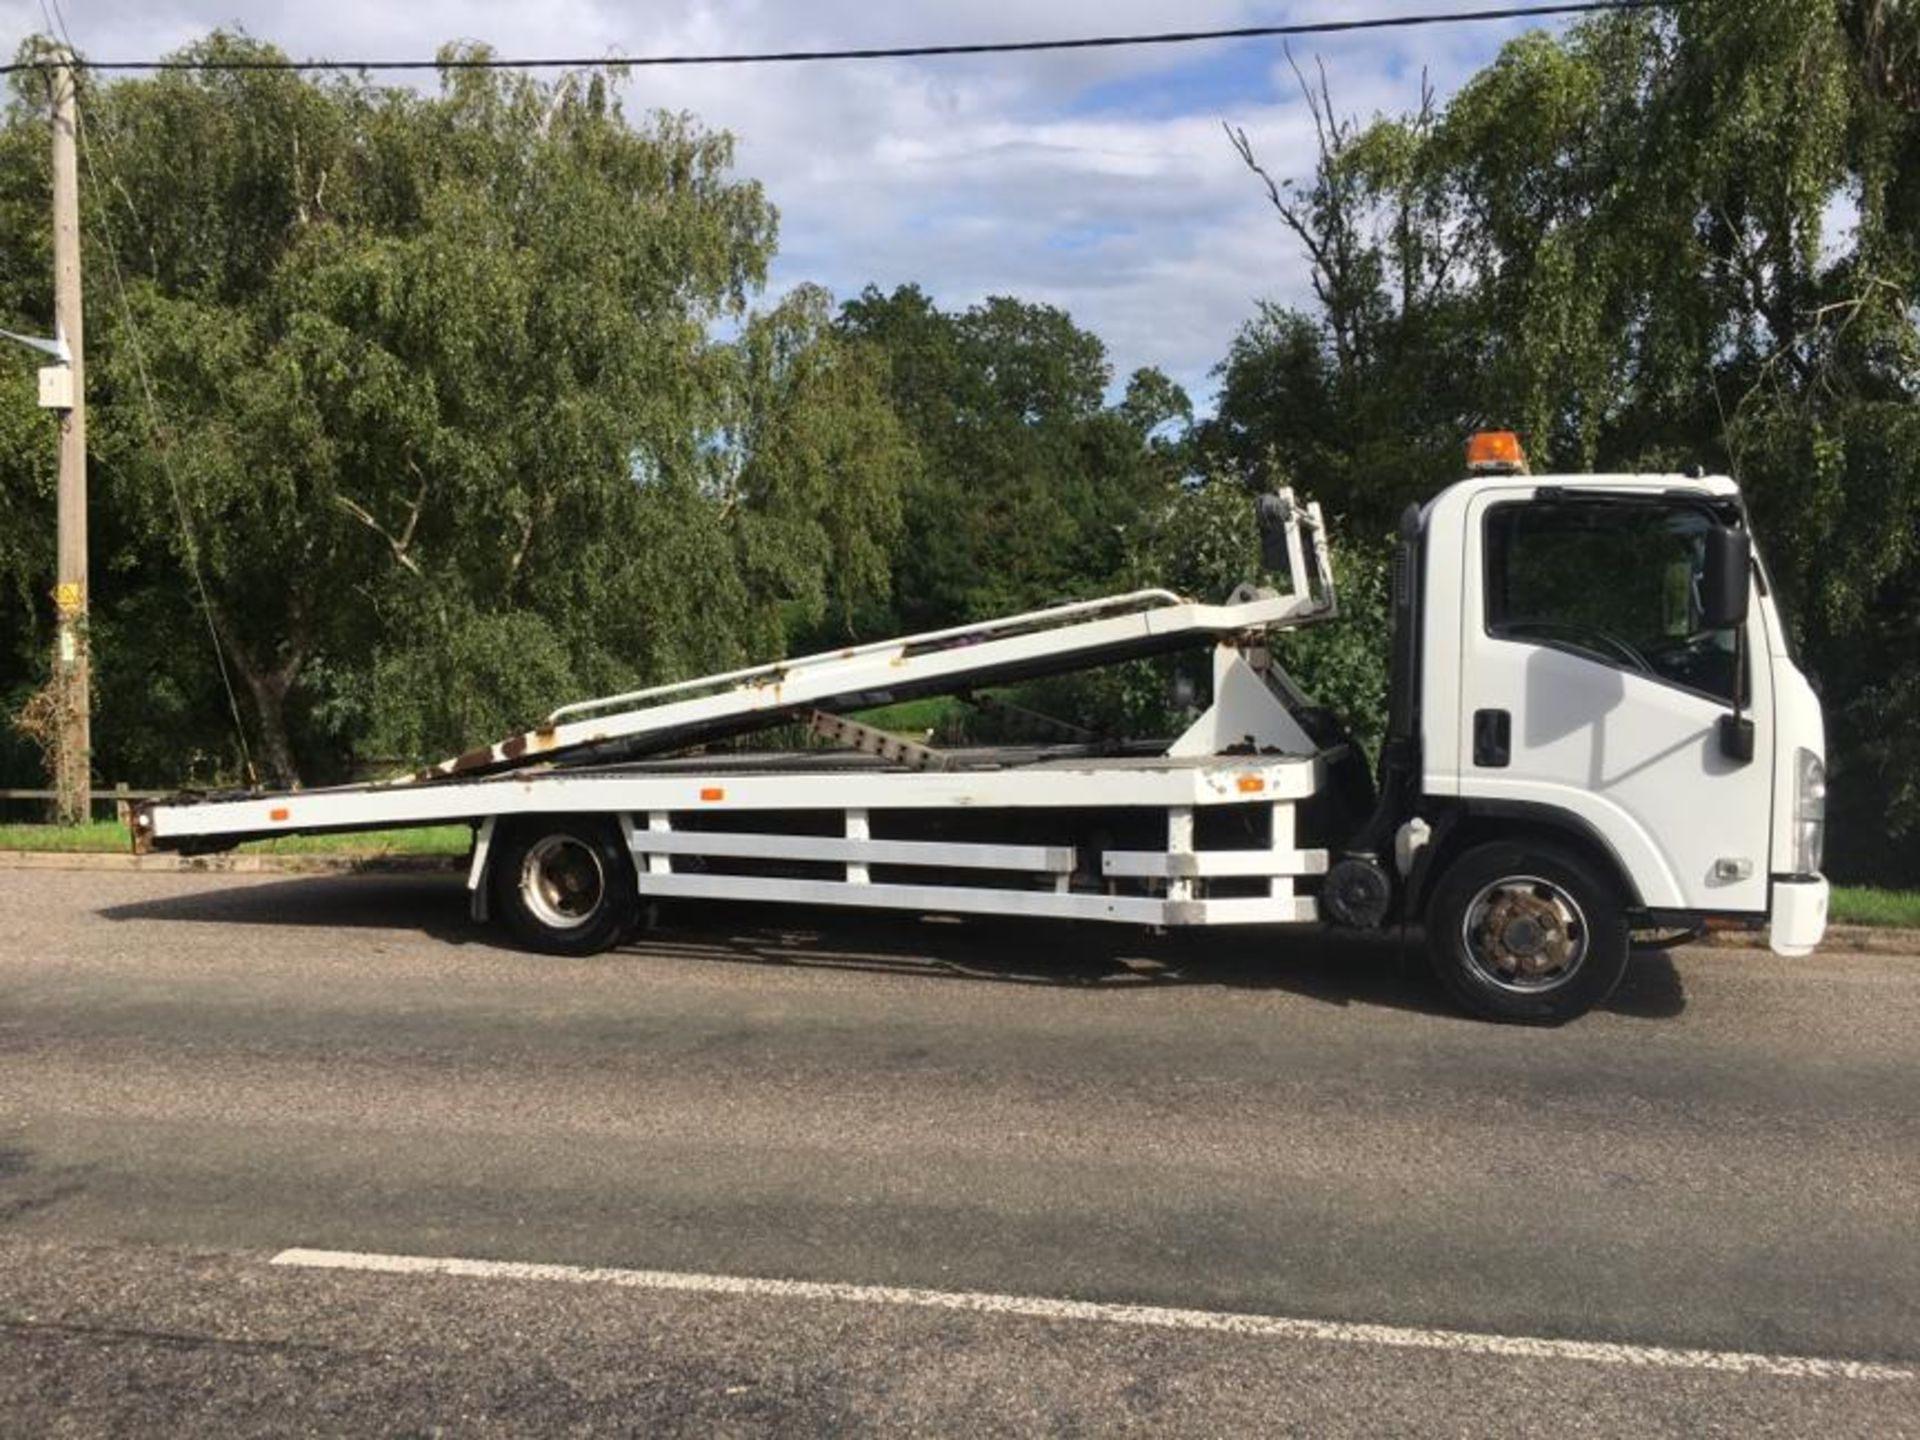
[{"x": 871, "y": 740}]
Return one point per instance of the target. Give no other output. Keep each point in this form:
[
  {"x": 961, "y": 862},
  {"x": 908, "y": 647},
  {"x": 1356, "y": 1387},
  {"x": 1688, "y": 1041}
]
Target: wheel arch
[{"x": 1467, "y": 823}]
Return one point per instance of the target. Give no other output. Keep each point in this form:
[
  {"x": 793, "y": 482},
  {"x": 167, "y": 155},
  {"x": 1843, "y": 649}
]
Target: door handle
[{"x": 1492, "y": 738}]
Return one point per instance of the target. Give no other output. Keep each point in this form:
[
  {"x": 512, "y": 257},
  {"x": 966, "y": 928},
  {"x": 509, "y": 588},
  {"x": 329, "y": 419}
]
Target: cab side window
[{"x": 1617, "y": 581}]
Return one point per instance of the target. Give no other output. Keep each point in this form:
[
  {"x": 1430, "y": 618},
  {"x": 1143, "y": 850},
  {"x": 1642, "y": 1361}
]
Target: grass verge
[
  {"x": 111, "y": 835},
  {"x": 1866, "y": 905}
]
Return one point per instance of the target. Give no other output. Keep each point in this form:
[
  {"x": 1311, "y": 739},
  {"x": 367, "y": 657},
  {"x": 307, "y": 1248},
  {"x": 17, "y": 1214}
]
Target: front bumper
[{"x": 1799, "y": 914}]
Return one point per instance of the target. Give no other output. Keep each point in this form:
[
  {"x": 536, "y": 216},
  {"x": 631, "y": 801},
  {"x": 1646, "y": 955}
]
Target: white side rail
[{"x": 956, "y": 635}]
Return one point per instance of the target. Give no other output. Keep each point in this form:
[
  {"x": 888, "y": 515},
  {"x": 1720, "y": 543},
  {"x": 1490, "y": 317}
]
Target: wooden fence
[{"x": 120, "y": 797}]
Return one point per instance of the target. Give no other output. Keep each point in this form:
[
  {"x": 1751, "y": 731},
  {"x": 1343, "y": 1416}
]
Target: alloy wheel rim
[
  {"x": 1524, "y": 934},
  {"x": 563, "y": 882}
]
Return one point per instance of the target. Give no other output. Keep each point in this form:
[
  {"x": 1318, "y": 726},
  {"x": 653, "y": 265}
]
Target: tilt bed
[{"x": 1595, "y": 727}]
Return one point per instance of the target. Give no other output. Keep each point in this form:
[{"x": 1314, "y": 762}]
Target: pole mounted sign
[{"x": 56, "y": 380}]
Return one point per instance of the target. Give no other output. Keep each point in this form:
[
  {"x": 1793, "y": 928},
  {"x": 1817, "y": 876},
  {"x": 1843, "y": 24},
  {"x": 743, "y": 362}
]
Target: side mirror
[
  {"x": 1724, "y": 585},
  {"x": 1736, "y": 738}
]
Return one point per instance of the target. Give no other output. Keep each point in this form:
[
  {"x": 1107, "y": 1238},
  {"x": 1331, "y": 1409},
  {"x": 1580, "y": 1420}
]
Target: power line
[{"x": 895, "y": 52}]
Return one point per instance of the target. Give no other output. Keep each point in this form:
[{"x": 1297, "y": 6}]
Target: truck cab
[{"x": 1597, "y": 727}]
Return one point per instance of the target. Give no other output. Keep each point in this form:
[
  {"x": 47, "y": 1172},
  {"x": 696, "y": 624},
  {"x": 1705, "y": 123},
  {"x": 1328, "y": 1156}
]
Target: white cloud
[{"x": 970, "y": 176}]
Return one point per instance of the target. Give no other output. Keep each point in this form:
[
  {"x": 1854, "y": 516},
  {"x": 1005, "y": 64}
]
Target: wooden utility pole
[{"x": 73, "y": 745}]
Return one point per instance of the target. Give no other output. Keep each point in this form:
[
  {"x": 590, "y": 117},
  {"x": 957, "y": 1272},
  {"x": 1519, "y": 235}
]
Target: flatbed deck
[{"x": 980, "y": 779}]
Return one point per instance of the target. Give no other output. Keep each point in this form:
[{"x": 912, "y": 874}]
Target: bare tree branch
[{"x": 398, "y": 546}]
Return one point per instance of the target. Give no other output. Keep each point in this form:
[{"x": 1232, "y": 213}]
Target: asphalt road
[{"x": 197, "y": 1073}]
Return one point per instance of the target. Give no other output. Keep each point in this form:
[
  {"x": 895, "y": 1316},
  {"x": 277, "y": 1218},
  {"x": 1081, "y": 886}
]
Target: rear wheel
[
  {"x": 565, "y": 885},
  {"x": 1527, "y": 932}
]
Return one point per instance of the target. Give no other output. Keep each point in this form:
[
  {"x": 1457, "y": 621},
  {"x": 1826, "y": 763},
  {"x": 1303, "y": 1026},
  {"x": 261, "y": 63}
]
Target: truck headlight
[{"x": 1809, "y": 813}]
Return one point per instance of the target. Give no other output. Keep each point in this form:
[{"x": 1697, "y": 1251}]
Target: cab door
[{"x": 1587, "y": 685}]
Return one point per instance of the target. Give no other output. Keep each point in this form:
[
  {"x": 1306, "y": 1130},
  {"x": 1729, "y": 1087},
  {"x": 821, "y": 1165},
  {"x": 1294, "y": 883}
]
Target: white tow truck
[{"x": 1596, "y": 728}]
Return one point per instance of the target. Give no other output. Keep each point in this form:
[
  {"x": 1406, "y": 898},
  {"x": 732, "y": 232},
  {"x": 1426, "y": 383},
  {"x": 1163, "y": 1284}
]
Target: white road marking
[{"x": 1796, "y": 1367}]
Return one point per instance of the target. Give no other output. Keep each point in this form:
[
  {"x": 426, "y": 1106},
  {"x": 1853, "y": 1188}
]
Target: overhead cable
[{"x": 890, "y": 52}]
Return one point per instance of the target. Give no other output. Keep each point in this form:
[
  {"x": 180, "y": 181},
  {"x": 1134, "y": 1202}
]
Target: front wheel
[
  {"x": 564, "y": 884},
  {"x": 1527, "y": 932}
]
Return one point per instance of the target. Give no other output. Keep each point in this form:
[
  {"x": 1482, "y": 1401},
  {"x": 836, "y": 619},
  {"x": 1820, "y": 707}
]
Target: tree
[
  {"x": 412, "y": 348},
  {"x": 1368, "y": 395},
  {"x": 438, "y": 416},
  {"x": 1028, "y": 479},
  {"x": 812, "y": 470}
]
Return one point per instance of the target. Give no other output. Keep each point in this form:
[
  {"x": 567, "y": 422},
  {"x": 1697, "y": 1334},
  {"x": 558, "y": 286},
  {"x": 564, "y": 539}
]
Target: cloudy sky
[{"x": 1099, "y": 181}]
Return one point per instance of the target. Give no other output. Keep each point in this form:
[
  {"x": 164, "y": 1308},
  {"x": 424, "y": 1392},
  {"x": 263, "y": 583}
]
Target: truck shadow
[
  {"x": 1387, "y": 970},
  {"x": 434, "y": 903}
]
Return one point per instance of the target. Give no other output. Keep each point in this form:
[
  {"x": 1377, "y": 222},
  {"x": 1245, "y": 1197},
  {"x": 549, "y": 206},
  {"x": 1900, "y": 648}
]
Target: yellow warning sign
[{"x": 66, "y": 597}]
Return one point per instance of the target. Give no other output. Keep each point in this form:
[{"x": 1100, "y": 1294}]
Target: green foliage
[
  {"x": 1202, "y": 540},
  {"x": 1865, "y": 905},
  {"x": 112, "y": 837},
  {"x": 813, "y": 468},
  {"x": 98, "y": 835},
  {"x": 1343, "y": 663},
  {"x": 1027, "y": 480},
  {"x": 434, "y": 389},
  {"x": 478, "y": 673},
  {"x": 1364, "y": 398}
]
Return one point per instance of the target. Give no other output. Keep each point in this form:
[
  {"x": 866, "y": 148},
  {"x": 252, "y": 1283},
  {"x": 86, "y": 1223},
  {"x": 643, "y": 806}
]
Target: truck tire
[
  {"x": 1527, "y": 932},
  {"x": 565, "y": 885}
]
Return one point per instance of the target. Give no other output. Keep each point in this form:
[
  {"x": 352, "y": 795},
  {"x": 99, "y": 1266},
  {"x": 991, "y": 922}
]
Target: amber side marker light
[{"x": 1495, "y": 452}]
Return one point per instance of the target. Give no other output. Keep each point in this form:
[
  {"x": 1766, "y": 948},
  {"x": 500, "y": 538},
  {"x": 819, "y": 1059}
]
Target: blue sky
[{"x": 1099, "y": 181}]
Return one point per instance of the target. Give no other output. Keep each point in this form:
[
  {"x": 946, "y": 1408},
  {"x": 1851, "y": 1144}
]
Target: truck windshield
[{"x": 1614, "y": 580}]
